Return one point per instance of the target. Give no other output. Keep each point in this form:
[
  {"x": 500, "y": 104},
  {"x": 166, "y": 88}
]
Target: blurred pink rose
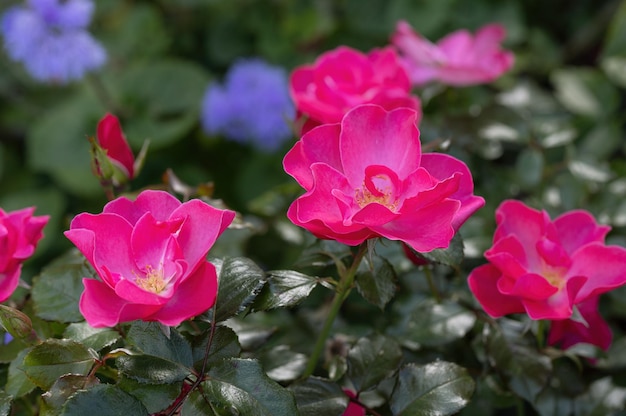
[
  {"x": 353, "y": 409},
  {"x": 545, "y": 267},
  {"x": 459, "y": 59},
  {"x": 367, "y": 177},
  {"x": 595, "y": 330},
  {"x": 344, "y": 78},
  {"x": 150, "y": 255},
  {"x": 20, "y": 232},
  {"x": 111, "y": 138}
]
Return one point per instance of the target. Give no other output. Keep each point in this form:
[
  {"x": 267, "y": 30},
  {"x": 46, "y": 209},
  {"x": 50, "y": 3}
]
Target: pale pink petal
[
  {"x": 483, "y": 284},
  {"x": 577, "y": 228},
  {"x": 457, "y": 47},
  {"x": 604, "y": 266}
]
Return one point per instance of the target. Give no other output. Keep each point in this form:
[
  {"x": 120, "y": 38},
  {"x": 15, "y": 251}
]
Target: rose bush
[
  {"x": 458, "y": 59},
  {"x": 344, "y": 78},
  {"x": 150, "y": 257},
  {"x": 366, "y": 177},
  {"x": 543, "y": 267},
  {"x": 20, "y": 232}
]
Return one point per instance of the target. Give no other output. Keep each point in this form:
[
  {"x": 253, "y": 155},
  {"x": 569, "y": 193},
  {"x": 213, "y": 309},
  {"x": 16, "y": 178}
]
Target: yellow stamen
[{"x": 153, "y": 280}]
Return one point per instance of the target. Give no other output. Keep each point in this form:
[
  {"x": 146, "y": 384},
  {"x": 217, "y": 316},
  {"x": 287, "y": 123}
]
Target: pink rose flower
[
  {"x": 595, "y": 330},
  {"x": 545, "y": 267},
  {"x": 150, "y": 255},
  {"x": 459, "y": 59},
  {"x": 353, "y": 409},
  {"x": 20, "y": 232},
  {"x": 366, "y": 177},
  {"x": 344, "y": 78},
  {"x": 111, "y": 138}
]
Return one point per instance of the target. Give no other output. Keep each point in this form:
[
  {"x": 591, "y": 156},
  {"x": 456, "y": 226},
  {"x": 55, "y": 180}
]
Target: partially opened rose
[
  {"x": 150, "y": 256},
  {"x": 459, "y": 59},
  {"x": 592, "y": 329},
  {"x": 112, "y": 148},
  {"x": 543, "y": 267},
  {"x": 20, "y": 232},
  {"x": 344, "y": 78},
  {"x": 366, "y": 177}
]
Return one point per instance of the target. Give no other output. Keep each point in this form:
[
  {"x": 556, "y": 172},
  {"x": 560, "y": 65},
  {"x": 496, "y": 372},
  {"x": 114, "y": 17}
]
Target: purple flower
[
  {"x": 252, "y": 106},
  {"x": 50, "y": 38}
]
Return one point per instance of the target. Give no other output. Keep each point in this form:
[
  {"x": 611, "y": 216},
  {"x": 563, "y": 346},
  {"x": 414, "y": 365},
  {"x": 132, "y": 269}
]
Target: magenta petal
[
  {"x": 9, "y": 280},
  {"x": 559, "y": 305},
  {"x": 373, "y": 215},
  {"x": 159, "y": 203},
  {"x": 483, "y": 284},
  {"x": 112, "y": 139},
  {"x": 129, "y": 291},
  {"x": 372, "y": 136},
  {"x": 533, "y": 286},
  {"x": 150, "y": 240},
  {"x": 604, "y": 266},
  {"x": 508, "y": 255},
  {"x": 194, "y": 296},
  {"x": 578, "y": 228},
  {"x": 568, "y": 333}
]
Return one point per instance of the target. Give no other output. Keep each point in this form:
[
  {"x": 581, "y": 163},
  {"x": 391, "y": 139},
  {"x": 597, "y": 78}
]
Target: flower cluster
[
  {"x": 20, "y": 232},
  {"x": 50, "y": 38},
  {"x": 252, "y": 106}
]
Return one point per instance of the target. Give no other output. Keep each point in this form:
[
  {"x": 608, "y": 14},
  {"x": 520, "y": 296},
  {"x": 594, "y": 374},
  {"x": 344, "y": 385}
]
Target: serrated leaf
[
  {"x": 53, "y": 358},
  {"x": 436, "y": 389},
  {"x": 148, "y": 338},
  {"x": 154, "y": 397},
  {"x": 316, "y": 396},
  {"x": 17, "y": 383},
  {"x": 54, "y": 399},
  {"x": 282, "y": 364},
  {"x": 56, "y": 292},
  {"x": 151, "y": 370},
  {"x": 103, "y": 400},
  {"x": 284, "y": 289},
  {"x": 224, "y": 344},
  {"x": 377, "y": 281},
  {"x": 432, "y": 324},
  {"x": 16, "y": 323},
  {"x": 239, "y": 280},
  {"x": 451, "y": 256},
  {"x": 371, "y": 360},
  {"x": 241, "y": 385},
  {"x": 95, "y": 338}
]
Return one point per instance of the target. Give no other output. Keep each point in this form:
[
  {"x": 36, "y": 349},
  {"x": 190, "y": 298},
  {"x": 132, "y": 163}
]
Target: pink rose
[
  {"x": 458, "y": 59},
  {"x": 595, "y": 330},
  {"x": 20, "y": 232},
  {"x": 366, "y": 177},
  {"x": 150, "y": 255},
  {"x": 111, "y": 139},
  {"x": 545, "y": 267},
  {"x": 344, "y": 78}
]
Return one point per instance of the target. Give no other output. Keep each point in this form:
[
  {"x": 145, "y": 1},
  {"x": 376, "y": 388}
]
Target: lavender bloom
[
  {"x": 50, "y": 38},
  {"x": 253, "y": 105}
]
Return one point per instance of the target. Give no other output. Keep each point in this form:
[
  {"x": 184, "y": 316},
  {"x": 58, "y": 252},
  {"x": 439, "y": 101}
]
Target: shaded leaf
[
  {"x": 371, "y": 360},
  {"x": 317, "y": 396},
  {"x": 451, "y": 256},
  {"x": 5, "y": 403},
  {"x": 103, "y": 400},
  {"x": 282, "y": 364},
  {"x": 17, "y": 383},
  {"x": 95, "y": 338},
  {"x": 377, "y": 283},
  {"x": 154, "y": 397},
  {"x": 529, "y": 167},
  {"x": 151, "y": 370},
  {"x": 603, "y": 398},
  {"x": 284, "y": 288},
  {"x": 224, "y": 344},
  {"x": 54, "y": 399},
  {"x": 436, "y": 389},
  {"x": 148, "y": 338}
]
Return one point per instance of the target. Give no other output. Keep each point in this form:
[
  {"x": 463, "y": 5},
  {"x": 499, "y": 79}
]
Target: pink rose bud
[
  {"x": 367, "y": 177},
  {"x": 20, "y": 232},
  {"x": 150, "y": 257},
  {"x": 112, "y": 157},
  {"x": 459, "y": 59},
  {"x": 344, "y": 78},
  {"x": 544, "y": 268}
]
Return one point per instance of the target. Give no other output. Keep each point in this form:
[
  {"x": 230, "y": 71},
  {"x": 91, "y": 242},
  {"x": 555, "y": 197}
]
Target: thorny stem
[{"x": 346, "y": 281}]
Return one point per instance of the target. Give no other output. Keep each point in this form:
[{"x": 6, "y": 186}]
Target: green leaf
[
  {"x": 18, "y": 384},
  {"x": 5, "y": 403},
  {"x": 53, "y": 358},
  {"x": 371, "y": 360},
  {"x": 224, "y": 344},
  {"x": 282, "y": 364},
  {"x": 95, "y": 338},
  {"x": 585, "y": 92},
  {"x": 317, "y": 396},
  {"x": 155, "y": 397},
  {"x": 284, "y": 289},
  {"x": 603, "y": 398},
  {"x": 451, "y": 256},
  {"x": 103, "y": 400},
  {"x": 57, "y": 290},
  {"x": 615, "y": 68},
  {"x": 151, "y": 370},
  {"x": 377, "y": 283},
  {"x": 241, "y": 385},
  {"x": 436, "y": 389},
  {"x": 149, "y": 338},
  {"x": 529, "y": 167},
  {"x": 54, "y": 399},
  {"x": 16, "y": 323},
  {"x": 433, "y": 324},
  {"x": 239, "y": 280}
]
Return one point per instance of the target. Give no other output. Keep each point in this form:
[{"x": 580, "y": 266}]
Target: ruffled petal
[{"x": 482, "y": 282}]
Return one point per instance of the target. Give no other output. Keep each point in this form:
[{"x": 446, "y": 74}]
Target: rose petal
[{"x": 482, "y": 282}]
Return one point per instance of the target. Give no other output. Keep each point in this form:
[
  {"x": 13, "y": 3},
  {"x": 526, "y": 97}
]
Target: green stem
[
  {"x": 431, "y": 284},
  {"x": 541, "y": 330},
  {"x": 346, "y": 281}
]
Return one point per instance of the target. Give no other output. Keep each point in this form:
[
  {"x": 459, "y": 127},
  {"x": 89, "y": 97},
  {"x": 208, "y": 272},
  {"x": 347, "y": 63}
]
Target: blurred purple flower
[
  {"x": 253, "y": 105},
  {"x": 50, "y": 38}
]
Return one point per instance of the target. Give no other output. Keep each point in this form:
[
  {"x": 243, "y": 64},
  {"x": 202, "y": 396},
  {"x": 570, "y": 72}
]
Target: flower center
[
  {"x": 554, "y": 276},
  {"x": 153, "y": 281},
  {"x": 379, "y": 186}
]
